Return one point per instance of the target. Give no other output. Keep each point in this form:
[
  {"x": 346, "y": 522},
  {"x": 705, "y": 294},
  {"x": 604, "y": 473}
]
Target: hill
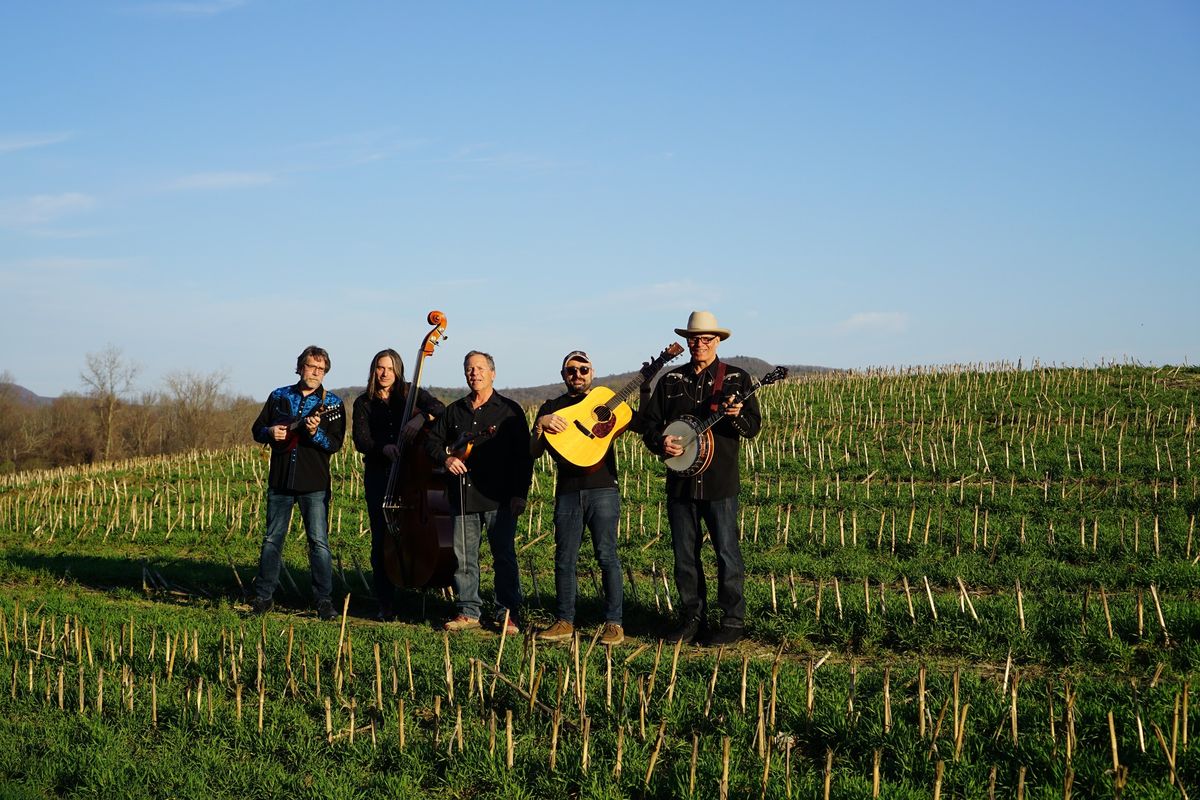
[{"x": 19, "y": 394}]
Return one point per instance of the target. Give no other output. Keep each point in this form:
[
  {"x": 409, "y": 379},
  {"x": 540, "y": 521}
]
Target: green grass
[{"x": 887, "y": 478}]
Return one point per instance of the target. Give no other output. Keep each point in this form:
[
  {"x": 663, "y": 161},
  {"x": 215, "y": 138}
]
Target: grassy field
[{"x": 965, "y": 582}]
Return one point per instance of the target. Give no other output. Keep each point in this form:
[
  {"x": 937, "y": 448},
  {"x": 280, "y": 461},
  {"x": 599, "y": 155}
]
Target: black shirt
[
  {"x": 571, "y": 477},
  {"x": 683, "y": 392},
  {"x": 499, "y": 465},
  {"x": 377, "y": 423}
]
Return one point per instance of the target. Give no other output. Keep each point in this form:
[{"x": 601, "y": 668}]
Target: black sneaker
[
  {"x": 685, "y": 632},
  {"x": 726, "y": 634},
  {"x": 325, "y": 610},
  {"x": 260, "y": 606}
]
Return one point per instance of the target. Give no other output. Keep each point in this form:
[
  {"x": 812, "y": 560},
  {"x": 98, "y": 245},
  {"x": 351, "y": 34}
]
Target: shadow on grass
[{"x": 198, "y": 582}]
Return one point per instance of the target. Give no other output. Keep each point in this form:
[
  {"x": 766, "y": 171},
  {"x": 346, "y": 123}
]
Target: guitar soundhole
[{"x": 603, "y": 414}]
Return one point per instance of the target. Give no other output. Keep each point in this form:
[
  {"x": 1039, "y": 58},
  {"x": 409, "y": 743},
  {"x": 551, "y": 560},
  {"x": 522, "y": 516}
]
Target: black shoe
[
  {"x": 260, "y": 606},
  {"x": 325, "y": 610},
  {"x": 685, "y": 632},
  {"x": 726, "y": 634}
]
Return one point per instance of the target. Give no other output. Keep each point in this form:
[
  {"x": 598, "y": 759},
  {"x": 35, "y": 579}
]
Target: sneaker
[
  {"x": 325, "y": 610},
  {"x": 726, "y": 634},
  {"x": 686, "y": 631},
  {"x": 511, "y": 629},
  {"x": 461, "y": 623},
  {"x": 612, "y": 634},
  {"x": 260, "y": 606},
  {"x": 559, "y": 631}
]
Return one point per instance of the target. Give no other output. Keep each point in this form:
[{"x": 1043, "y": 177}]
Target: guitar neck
[
  {"x": 625, "y": 391},
  {"x": 642, "y": 376}
]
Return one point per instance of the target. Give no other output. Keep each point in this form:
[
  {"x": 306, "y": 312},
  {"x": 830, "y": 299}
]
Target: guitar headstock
[
  {"x": 438, "y": 320},
  {"x": 671, "y": 351},
  {"x": 774, "y": 376}
]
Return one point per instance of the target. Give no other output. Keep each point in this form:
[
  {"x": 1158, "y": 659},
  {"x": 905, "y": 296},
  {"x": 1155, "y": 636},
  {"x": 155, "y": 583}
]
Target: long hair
[{"x": 399, "y": 388}]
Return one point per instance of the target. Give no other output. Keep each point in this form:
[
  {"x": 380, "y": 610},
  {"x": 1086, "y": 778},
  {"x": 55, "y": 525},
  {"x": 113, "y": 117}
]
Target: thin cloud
[
  {"x": 873, "y": 322},
  {"x": 68, "y": 264},
  {"x": 11, "y": 144},
  {"x": 47, "y": 277},
  {"x": 43, "y": 208},
  {"x": 205, "y": 8},
  {"x": 487, "y": 155},
  {"x": 223, "y": 180}
]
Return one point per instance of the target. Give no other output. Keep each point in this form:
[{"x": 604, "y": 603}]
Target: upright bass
[{"x": 419, "y": 548}]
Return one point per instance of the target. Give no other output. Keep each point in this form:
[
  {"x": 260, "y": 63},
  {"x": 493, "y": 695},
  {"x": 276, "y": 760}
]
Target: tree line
[{"x": 111, "y": 419}]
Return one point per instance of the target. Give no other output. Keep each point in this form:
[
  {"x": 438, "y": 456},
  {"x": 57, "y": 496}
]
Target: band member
[
  {"x": 487, "y": 486},
  {"x": 304, "y": 424},
  {"x": 377, "y": 430},
  {"x": 700, "y": 388},
  {"x": 583, "y": 497}
]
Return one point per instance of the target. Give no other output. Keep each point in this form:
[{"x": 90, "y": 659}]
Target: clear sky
[{"x": 211, "y": 185}]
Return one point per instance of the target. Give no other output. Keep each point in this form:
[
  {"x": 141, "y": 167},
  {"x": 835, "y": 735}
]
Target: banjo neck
[{"x": 777, "y": 374}]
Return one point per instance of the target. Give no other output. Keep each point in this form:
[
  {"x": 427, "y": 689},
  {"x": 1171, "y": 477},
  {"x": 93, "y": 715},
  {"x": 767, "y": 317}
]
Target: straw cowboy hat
[{"x": 703, "y": 322}]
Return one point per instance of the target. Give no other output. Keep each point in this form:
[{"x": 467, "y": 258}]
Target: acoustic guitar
[
  {"x": 594, "y": 422},
  {"x": 696, "y": 435}
]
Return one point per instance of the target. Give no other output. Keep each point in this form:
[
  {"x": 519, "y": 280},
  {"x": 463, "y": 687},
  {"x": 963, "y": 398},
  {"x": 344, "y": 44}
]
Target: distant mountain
[
  {"x": 22, "y": 395},
  {"x": 536, "y": 395}
]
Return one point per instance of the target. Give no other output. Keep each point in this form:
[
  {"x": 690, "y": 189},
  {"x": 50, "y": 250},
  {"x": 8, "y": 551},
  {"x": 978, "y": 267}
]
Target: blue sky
[{"x": 212, "y": 185}]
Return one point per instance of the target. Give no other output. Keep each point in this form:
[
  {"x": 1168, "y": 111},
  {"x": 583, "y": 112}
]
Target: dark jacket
[
  {"x": 682, "y": 392},
  {"x": 377, "y": 423},
  {"x": 301, "y": 463},
  {"x": 500, "y": 467}
]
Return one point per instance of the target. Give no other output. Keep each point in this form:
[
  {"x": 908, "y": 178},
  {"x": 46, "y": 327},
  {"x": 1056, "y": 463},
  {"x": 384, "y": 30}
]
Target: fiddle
[{"x": 463, "y": 445}]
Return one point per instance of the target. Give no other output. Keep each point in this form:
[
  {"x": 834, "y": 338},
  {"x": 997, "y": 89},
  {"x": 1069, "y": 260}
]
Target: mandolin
[
  {"x": 696, "y": 435},
  {"x": 596, "y": 420},
  {"x": 294, "y": 424}
]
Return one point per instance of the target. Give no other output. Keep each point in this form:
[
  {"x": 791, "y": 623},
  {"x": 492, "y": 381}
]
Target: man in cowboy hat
[{"x": 704, "y": 386}]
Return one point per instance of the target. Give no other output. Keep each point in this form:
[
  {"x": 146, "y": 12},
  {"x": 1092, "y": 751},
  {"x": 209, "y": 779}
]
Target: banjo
[{"x": 696, "y": 435}]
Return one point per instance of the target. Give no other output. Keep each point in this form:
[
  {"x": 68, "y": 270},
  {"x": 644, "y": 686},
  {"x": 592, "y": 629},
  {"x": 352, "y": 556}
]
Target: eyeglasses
[
  {"x": 577, "y": 370},
  {"x": 704, "y": 340}
]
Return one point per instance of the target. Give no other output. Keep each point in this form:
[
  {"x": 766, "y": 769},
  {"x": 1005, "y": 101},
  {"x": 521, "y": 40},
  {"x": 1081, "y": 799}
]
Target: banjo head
[{"x": 686, "y": 429}]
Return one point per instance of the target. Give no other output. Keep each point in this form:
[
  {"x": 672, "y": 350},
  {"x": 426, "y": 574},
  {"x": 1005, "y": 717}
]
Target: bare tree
[
  {"x": 194, "y": 400},
  {"x": 108, "y": 377},
  {"x": 12, "y": 416}
]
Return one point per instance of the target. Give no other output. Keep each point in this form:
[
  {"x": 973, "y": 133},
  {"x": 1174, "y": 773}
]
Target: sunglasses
[
  {"x": 577, "y": 370},
  {"x": 704, "y": 340}
]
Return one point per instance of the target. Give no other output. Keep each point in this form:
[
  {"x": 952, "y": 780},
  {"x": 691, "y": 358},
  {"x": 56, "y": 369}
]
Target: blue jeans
[
  {"x": 599, "y": 510},
  {"x": 720, "y": 517},
  {"x": 501, "y": 531},
  {"x": 314, "y": 510}
]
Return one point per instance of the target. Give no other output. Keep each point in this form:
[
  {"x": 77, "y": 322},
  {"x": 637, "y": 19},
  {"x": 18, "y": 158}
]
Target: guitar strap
[{"x": 718, "y": 383}]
